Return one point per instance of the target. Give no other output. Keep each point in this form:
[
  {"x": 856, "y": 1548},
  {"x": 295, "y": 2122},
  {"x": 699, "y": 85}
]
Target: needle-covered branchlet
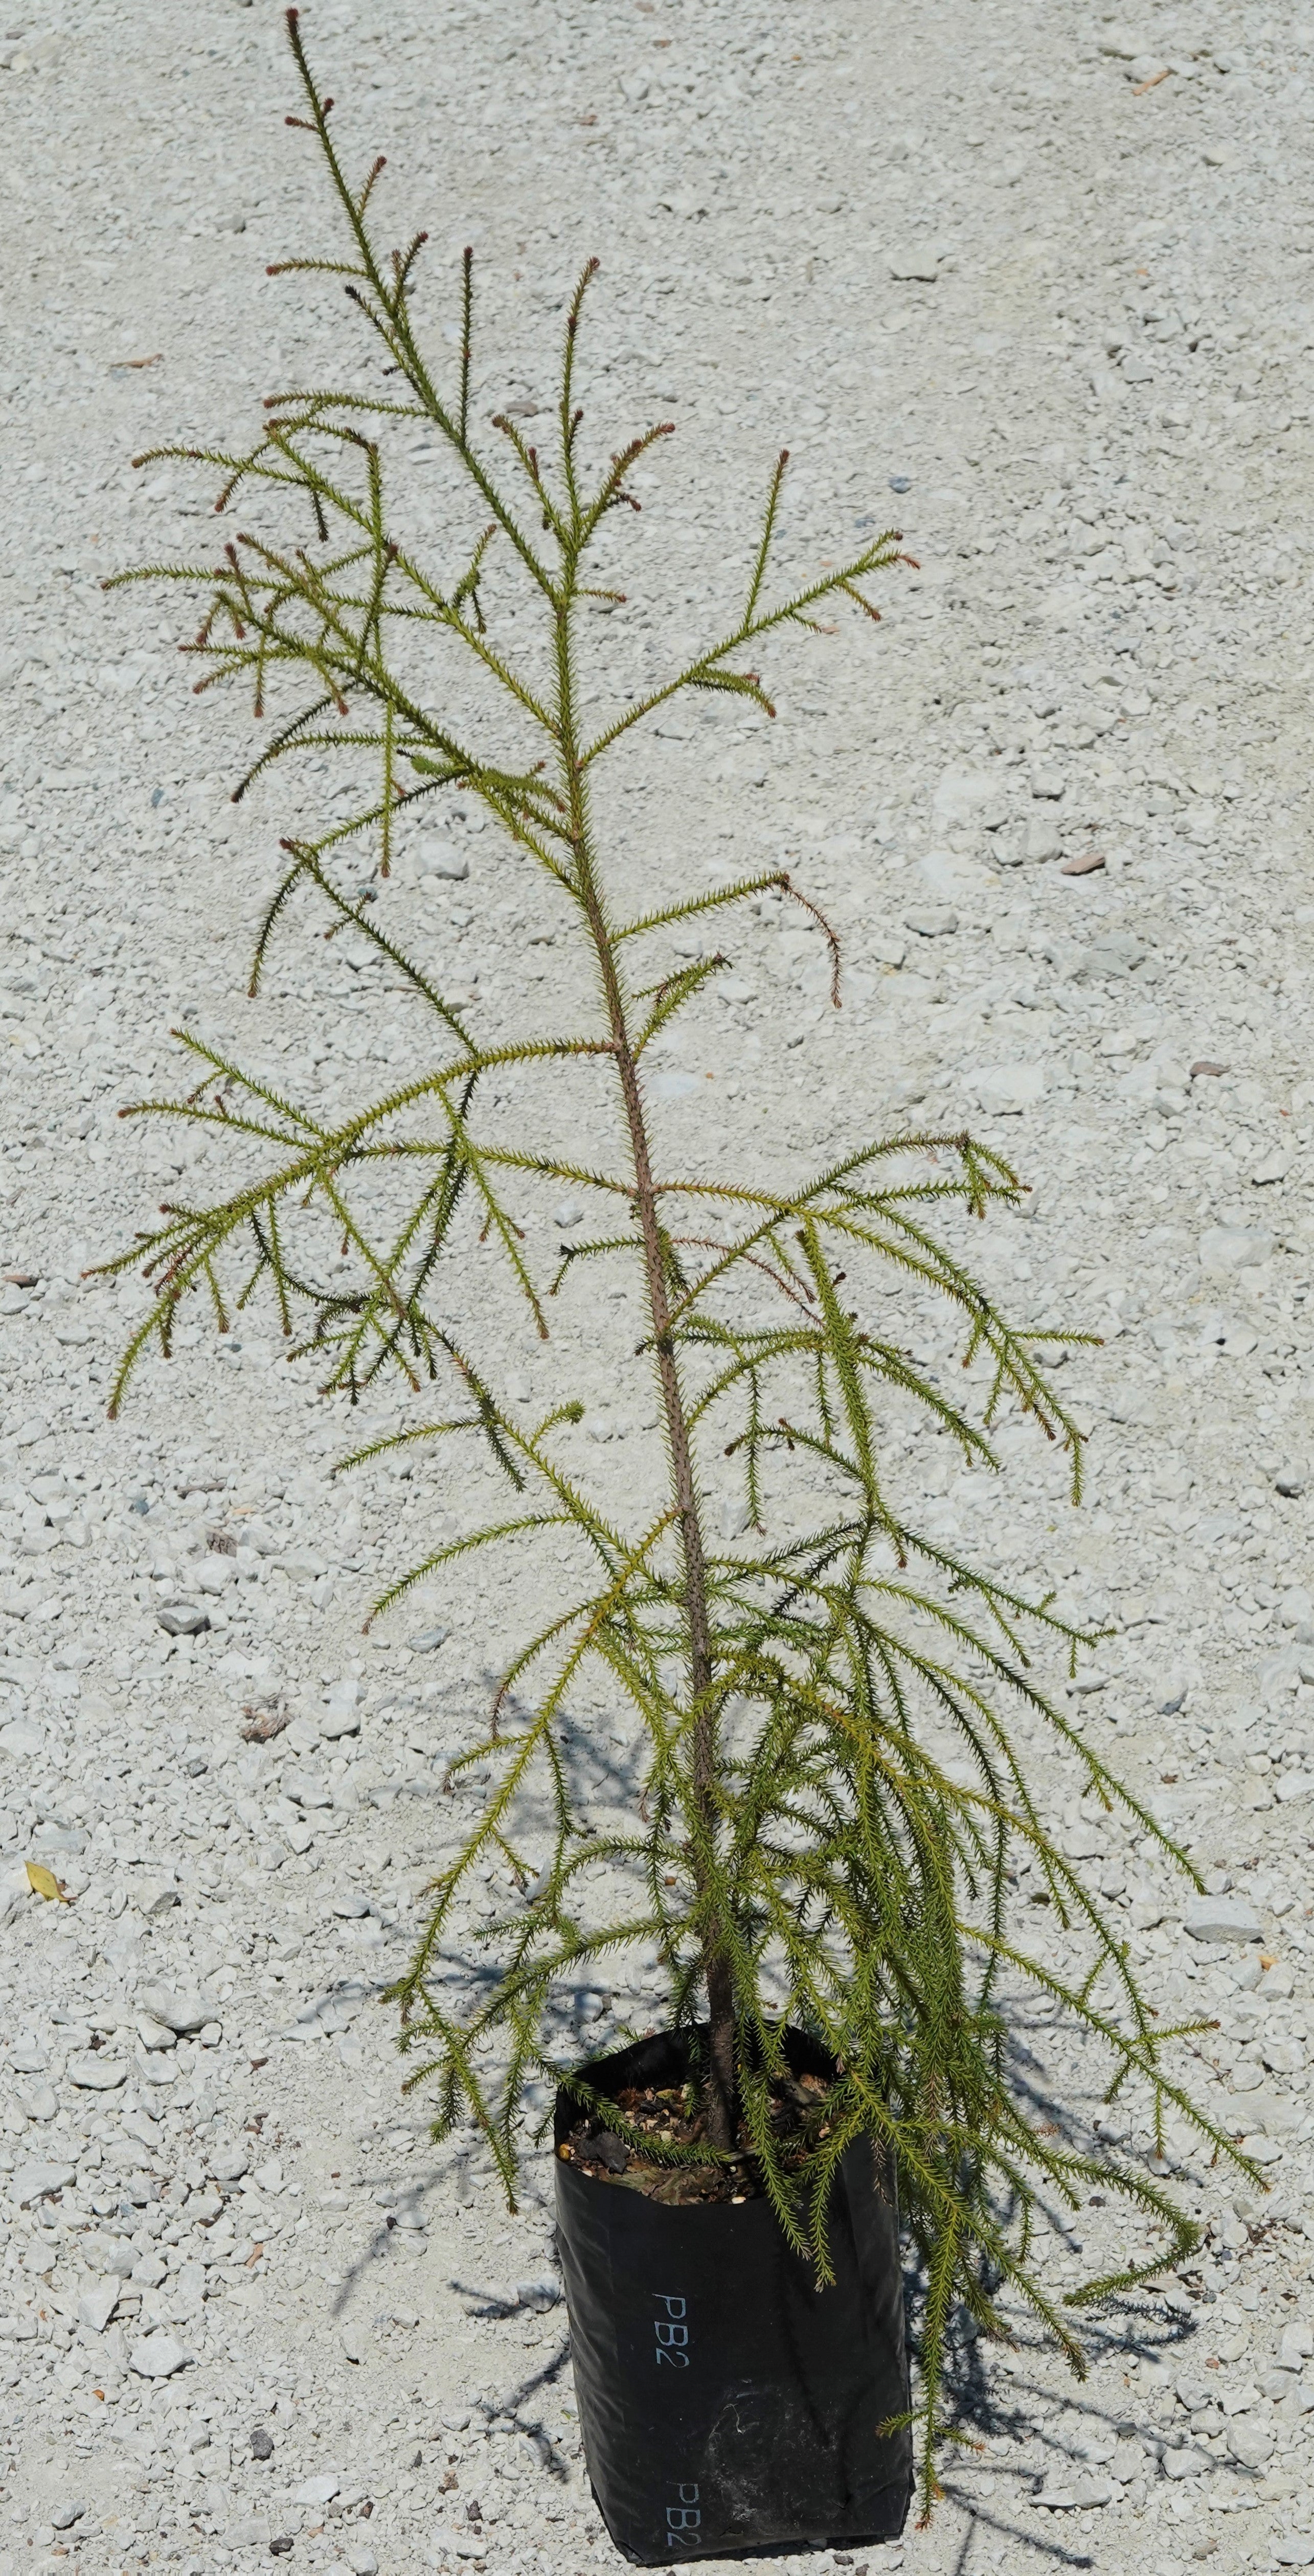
[{"x": 834, "y": 1795}]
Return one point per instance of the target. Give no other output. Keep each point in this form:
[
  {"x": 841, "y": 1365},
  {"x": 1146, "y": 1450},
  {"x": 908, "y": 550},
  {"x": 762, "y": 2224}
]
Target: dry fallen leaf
[
  {"x": 265, "y": 1719},
  {"x": 43, "y": 1882}
]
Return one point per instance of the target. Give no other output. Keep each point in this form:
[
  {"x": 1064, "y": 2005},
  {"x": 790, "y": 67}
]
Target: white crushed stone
[{"x": 1060, "y": 331}]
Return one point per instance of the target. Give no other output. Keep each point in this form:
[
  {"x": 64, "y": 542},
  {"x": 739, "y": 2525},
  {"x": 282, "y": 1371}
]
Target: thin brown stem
[{"x": 721, "y": 2088}]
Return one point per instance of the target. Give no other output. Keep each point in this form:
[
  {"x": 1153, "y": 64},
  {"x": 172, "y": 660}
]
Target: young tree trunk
[{"x": 720, "y": 2091}]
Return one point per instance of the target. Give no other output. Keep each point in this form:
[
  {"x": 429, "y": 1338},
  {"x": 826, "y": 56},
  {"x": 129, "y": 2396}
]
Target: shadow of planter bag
[{"x": 725, "y": 2402}]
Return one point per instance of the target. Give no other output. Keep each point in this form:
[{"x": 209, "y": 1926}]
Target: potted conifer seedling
[{"x": 829, "y": 1797}]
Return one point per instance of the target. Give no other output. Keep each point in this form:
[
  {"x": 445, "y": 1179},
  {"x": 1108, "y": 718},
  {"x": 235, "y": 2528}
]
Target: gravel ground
[{"x": 1047, "y": 279}]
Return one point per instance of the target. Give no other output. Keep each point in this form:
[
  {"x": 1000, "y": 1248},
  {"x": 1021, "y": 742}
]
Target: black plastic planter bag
[{"x": 725, "y": 2402}]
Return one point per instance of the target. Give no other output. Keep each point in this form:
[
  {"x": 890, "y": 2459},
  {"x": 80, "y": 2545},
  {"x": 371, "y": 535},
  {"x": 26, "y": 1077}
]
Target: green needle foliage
[{"x": 833, "y": 1794}]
